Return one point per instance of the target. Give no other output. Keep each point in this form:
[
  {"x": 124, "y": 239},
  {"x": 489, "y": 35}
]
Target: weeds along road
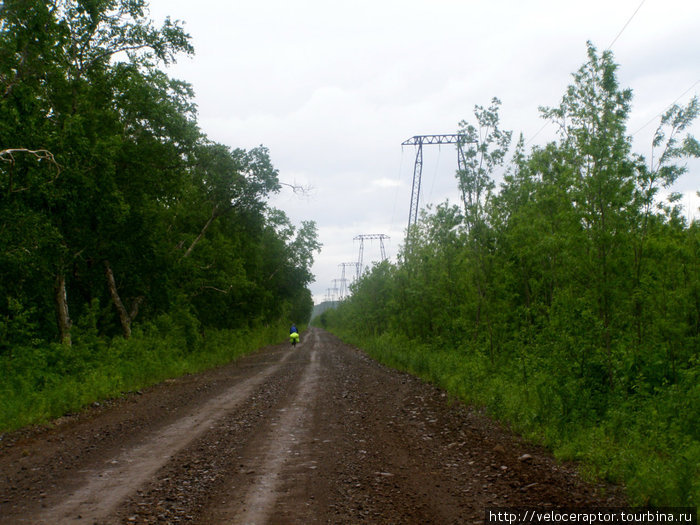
[{"x": 318, "y": 434}]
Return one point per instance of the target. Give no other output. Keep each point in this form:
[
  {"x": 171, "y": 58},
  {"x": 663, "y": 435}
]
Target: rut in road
[
  {"x": 316, "y": 434},
  {"x": 103, "y": 490},
  {"x": 285, "y": 433}
]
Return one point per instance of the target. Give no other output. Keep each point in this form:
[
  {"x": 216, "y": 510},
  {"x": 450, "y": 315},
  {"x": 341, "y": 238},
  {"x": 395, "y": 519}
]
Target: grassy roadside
[
  {"x": 38, "y": 384},
  {"x": 645, "y": 443}
]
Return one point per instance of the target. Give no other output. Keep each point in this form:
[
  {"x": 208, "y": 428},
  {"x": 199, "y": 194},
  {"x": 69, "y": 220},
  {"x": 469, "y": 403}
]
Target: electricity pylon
[
  {"x": 344, "y": 280},
  {"x": 336, "y": 290},
  {"x": 332, "y": 293},
  {"x": 419, "y": 140},
  {"x": 362, "y": 239}
]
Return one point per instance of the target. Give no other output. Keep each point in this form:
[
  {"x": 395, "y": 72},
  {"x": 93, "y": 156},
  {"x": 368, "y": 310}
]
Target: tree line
[
  {"x": 115, "y": 208},
  {"x": 568, "y": 299}
]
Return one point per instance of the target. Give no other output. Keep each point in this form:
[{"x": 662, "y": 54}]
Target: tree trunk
[
  {"x": 124, "y": 317},
  {"x": 62, "y": 317}
]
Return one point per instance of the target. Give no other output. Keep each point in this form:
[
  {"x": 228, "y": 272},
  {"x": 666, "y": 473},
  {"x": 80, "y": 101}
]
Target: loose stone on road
[{"x": 316, "y": 434}]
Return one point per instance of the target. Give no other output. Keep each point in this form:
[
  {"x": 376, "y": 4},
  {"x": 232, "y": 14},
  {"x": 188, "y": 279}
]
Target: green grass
[
  {"x": 648, "y": 443},
  {"x": 41, "y": 383}
]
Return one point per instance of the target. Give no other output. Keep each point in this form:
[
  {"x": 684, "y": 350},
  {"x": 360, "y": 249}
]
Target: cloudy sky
[{"x": 333, "y": 88}]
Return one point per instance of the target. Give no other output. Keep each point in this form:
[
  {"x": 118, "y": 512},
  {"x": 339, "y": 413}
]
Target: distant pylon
[
  {"x": 335, "y": 289},
  {"x": 344, "y": 280},
  {"x": 369, "y": 236}
]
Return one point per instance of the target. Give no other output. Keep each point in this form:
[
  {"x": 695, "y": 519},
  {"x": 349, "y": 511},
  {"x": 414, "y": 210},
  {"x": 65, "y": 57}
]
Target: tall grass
[
  {"x": 649, "y": 443},
  {"x": 40, "y": 383}
]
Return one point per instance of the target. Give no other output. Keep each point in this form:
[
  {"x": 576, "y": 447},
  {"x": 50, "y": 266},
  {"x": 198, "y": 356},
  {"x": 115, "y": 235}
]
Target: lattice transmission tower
[
  {"x": 419, "y": 140},
  {"x": 344, "y": 280},
  {"x": 370, "y": 236}
]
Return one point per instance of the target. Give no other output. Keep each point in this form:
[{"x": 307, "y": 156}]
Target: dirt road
[{"x": 318, "y": 434}]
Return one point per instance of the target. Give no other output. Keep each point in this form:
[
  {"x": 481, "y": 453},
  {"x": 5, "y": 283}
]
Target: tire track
[
  {"x": 316, "y": 434},
  {"x": 257, "y": 504},
  {"x": 105, "y": 489}
]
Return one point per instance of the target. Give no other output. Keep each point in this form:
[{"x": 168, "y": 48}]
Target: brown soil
[{"x": 318, "y": 434}]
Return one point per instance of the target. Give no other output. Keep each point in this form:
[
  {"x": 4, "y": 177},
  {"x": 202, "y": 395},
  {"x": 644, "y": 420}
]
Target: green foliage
[
  {"x": 133, "y": 207},
  {"x": 120, "y": 218},
  {"x": 487, "y": 148},
  {"x": 42, "y": 383},
  {"x": 568, "y": 302}
]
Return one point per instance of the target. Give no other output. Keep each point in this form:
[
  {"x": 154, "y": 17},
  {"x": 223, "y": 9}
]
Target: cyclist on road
[{"x": 293, "y": 335}]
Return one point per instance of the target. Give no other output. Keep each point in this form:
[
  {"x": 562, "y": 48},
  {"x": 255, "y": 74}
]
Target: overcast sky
[{"x": 333, "y": 88}]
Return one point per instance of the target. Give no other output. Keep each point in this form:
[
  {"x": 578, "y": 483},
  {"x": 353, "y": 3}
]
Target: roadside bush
[
  {"x": 639, "y": 441},
  {"x": 42, "y": 383}
]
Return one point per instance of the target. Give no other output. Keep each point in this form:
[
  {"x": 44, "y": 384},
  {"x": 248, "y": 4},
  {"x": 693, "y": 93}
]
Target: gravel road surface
[{"x": 316, "y": 434}]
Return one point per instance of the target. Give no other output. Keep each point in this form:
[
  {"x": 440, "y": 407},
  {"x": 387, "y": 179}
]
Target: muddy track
[{"x": 318, "y": 434}]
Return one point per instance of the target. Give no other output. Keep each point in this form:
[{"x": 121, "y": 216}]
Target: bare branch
[
  {"x": 214, "y": 215},
  {"x": 214, "y": 288},
  {"x": 298, "y": 189},
  {"x": 8, "y": 156}
]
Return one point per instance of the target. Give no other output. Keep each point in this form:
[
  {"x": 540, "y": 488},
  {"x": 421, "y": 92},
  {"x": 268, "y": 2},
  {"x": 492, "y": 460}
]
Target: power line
[
  {"x": 625, "y": 26},
  {"x": 547, "y": 123},
  {"x": 608, "y": 48},
  {"x": 396, "y": 191},
  {"x": 435, "y": 172},
  {"x": 666, "y": 108}
]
